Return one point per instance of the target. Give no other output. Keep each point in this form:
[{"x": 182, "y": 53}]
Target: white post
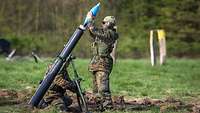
[
  {"x": 9, "y": 57},
  {"x": 152, "y": 49}
]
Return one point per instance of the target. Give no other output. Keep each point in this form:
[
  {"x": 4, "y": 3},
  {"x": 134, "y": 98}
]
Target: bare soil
[{"x": 21, "y": 98}]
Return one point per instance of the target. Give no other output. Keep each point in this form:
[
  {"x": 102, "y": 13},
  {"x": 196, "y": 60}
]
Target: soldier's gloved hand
[
  {"x": 89, "y": 16},
  {"x": 90, "y": 19},
  {"x": 90, "y": 26}
]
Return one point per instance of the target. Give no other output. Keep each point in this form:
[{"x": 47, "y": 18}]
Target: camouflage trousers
[
  {"x": 101, "y": 87},
  {"x": 56, "y": 95},
  {"x": 59, "y": 100}
]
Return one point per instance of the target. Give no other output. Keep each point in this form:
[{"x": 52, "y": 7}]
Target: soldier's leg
[
  {"x": 55, "y": 94},
  {"x": 94, "y": 80},
  {"x": 49, "y": 97},
  {"x": 62, "y": 102},
  {"x": 104, "y": 88},
  {"x": 64, "y": 84}
]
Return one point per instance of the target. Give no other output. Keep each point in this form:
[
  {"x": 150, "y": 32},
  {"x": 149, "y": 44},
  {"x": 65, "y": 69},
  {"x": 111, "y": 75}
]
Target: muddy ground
[{"x": 21, "y": 98}]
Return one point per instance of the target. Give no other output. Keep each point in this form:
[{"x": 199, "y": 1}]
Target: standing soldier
[{"x": 103, "y": 42}]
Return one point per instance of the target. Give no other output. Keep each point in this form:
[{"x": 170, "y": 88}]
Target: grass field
[{"x": 178, "y": 78}]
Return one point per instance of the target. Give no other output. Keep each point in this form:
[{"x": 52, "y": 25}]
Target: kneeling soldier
[{"x": 57, "y": 95}]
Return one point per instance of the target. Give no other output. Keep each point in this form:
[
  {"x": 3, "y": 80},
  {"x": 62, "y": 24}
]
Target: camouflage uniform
[
  {"x": 101, "y": 64},
  {"x": 56, "y": 95}
]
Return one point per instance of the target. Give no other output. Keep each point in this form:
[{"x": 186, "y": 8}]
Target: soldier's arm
[
  {"x": 113, "y": 53},
  {"x": 98, "y": 32},
  {"x": 104, "y": 35}
]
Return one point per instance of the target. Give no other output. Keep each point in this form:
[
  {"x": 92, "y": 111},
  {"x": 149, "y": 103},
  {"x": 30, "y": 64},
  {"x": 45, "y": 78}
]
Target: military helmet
[{"x": 110, "y": 19}]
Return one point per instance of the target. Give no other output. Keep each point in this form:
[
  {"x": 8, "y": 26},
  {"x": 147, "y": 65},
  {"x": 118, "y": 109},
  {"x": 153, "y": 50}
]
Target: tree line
[{"x": 45, "y": 25}]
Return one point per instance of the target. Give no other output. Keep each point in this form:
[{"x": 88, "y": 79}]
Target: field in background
[{"x": 179, "y": 78}]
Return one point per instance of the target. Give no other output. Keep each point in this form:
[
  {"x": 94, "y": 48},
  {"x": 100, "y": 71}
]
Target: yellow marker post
[
  {"x": 161, "y": 34},
  {"x": 162, "y": 45}
]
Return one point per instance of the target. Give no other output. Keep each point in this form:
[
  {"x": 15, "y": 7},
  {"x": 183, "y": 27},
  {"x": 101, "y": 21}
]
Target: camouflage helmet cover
[{"x": 110, "y": 19}]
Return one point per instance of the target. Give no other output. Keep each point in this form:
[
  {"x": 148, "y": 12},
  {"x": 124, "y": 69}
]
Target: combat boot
[
  {"x": 107, "y": 103},
  {"x": 99, "y": 103},
  {"x": 43, "y": 104},
  {"x": 62, "y": 103}
]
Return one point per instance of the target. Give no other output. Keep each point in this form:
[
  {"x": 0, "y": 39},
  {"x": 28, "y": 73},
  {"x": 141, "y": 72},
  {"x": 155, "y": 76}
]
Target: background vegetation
[{"x": 45, "y": 25}]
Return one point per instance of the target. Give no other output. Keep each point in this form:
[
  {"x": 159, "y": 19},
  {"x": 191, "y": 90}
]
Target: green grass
[{"x": 178, "y": 78}]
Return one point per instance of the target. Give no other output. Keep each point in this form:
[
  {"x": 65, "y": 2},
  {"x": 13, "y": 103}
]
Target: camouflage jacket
[{"x": 102, "y": 45}]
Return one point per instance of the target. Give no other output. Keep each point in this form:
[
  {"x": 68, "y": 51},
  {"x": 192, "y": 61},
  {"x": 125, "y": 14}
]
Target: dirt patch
[
  {"x": 139, "y": 104},
  {"x": 8, "y": 97},
  {"x": 21, "y": 98}
]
